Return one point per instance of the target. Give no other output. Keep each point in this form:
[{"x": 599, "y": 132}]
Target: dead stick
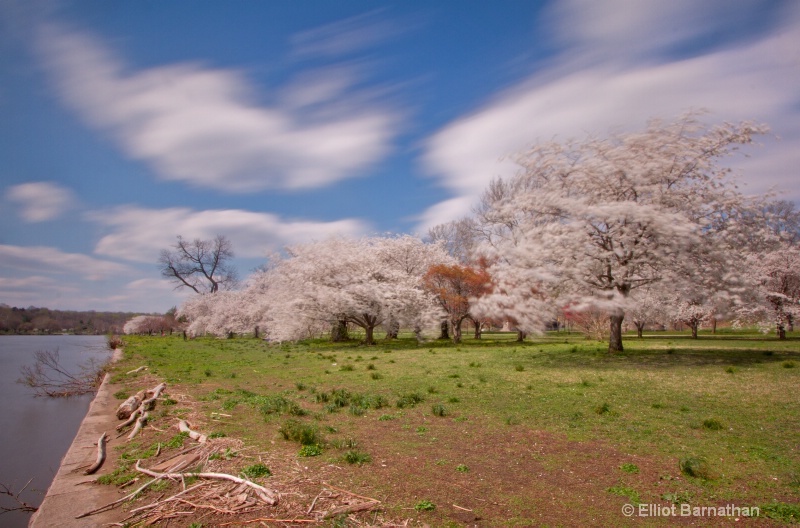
[
  {"x": 134, "y": 371},
  {"x": 362, "y": 506},
  {"x": 101, "y": 456},
  {"x": 118, "y": 501},
  {"x": 168, "y": 499},
  {"x": 350, "y": 493},
  {"x": 194, "y": 435},
  {"x": 460, "y": 508},
  {"x": 264, "y": 494},
  {"x": 290, "y": 521},
  {"x": 132, "y": 418}
]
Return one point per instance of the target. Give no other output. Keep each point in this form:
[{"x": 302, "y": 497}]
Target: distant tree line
[{"x": 33, "y": 320}]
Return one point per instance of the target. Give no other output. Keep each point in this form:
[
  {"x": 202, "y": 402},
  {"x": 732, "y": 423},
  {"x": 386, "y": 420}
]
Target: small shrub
[
  {"x": 424, "y": 505},
  {"x": 788, "y": 364},
  {"x": 357, "y": 457},
  {"x": 310, "y": 451},
  {"x": 695, "y": 467},
  {"x": 462, "y": 468},
  {"x": 409, "y": 400},
  {"x": 256, "y": 471},
  {"x": 453, "y": 399},
  {"x": 346, "y": 443},
  {"x": 371, "y": 367},
  {"x": 208, "y": 373},
  {"x": 376, "y": 376},
  {"x": 712, "y": 424},
  {"x": 439, "y": 410},
  {"x": 519, "y": 368},
  {"x": 298, "y": 431},
  {"x": 300, "y": 386},
  {"x": 629, "y": 468},
  {"x": 731, "y": 370},
  {"x": 385, "y": 417},
  {"x": 347, "y": 368},
  {"x": 357, "y": 410}
]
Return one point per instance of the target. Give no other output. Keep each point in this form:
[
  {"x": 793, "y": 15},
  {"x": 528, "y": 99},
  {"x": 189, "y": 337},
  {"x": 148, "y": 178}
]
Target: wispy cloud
[
  {"x": 208, "y": 127},
  {"x": 618, "y": 88},
  {"x": 138, "y": 234},
  {"x": 51, "y": 260},
  {"x": 41, "y": 201}
]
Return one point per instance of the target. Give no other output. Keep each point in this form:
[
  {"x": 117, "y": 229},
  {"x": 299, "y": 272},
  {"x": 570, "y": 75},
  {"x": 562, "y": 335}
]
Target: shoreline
[{"x": 71, "y": 493}]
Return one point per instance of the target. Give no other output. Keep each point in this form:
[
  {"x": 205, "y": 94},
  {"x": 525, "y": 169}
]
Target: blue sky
[{"x": 125, "y": 124}]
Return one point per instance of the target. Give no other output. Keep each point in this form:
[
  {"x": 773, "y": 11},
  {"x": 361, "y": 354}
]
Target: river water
[{"x": 35, "y": 432}]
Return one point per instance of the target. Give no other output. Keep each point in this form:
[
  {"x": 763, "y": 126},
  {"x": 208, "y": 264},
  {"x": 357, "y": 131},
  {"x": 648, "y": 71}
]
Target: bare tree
[
  {"x": 48, "y": 377},
  {"x": 202, "y": 265}
]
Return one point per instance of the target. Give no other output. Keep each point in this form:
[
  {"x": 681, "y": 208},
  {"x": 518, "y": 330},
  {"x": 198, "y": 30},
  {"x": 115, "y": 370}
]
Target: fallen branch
[
  {"x": 128, "y": 407},
  {"x": 127, "y": 497},
  {"x": 134, "y": 371},
  {"x": 131, "y": 419},
  {"x": 48, "y": 377},
  {"x": 139, "y": 424},
  {"x": 101, "y": 456},
  {"x": 268, "y": 496},
  {"x": 290, "y": 521},
  {"x": 150, "y": 402},
  {"x": 22, "y": 506},
  {"x": 194, "y": 435},
  {"x": 351, "y": 508}
]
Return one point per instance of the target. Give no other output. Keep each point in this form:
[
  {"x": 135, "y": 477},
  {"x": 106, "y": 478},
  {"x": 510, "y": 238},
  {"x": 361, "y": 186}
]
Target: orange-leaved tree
[{"x": 455, "y": 286}]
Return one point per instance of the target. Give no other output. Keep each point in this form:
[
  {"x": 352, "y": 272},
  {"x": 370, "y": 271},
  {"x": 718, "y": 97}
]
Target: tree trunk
[
  {"x": 639, "y": 329},
  {"x": 477, "y": 328},
  {"x": 615, "y": 338},
  {"x": 445, "y": 333},
  {"x": 781, "y": 331},
  {"x": 394, "y": 330},
  {"x": 339, "y": 331},
  {"x": 695, "y": 324},
  {"x": 255, "y": 332},
  {"x": 790, "y": 322},
  {"x": 713, "y": 325},
  {"x": 520, "y": 336},
  {"x": 456, "y": 331},
  {"x": 369, "y": 339}
]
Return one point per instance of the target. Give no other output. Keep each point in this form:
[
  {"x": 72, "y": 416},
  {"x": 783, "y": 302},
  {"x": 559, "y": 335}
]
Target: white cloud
[
  {"x": 757, "y": 80},
  {"x": 41, "y": 201},
  {"x": 208, "y": 128},
  {"x": 138, "y": 234},
  {"x": 52, "y": 260}
]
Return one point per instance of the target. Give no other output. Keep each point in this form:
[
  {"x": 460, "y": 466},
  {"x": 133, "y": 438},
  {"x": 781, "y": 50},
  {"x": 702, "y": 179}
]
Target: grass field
[{"x": 551, "y": 431}]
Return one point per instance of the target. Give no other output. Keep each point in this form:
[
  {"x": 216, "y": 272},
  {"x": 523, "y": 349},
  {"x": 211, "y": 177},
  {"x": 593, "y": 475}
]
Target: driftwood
[
  {"x": 150, "y": 402},
  {"x": 130, "y": 420},
  {"x": 134, "y": 371},
  {"x": 101, "y": 456},
  {"x": 127, "y": 497},
  {"x": 139, "y": 424},
  {"x": 268, "y": 496},
  {"x": 127, "y": 407},
  {"x": 194, "y": 435}
]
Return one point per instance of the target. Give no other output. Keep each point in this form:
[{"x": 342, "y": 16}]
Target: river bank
[{"x": 71, "y": 492}]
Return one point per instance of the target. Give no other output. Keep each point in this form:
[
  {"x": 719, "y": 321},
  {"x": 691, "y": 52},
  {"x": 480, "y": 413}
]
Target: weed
[
  {"x": 424, "y": 505},
  {"x": 788, "y": 513},
  {"x": 346, "y": 443},
  {"x": 208, "y": 373},
  {"x": 474, "y": 364},
  {"x": 121, "y": 395},
  {"x": 422, "y": 429},
  {"x": 310, "y": 451},
  {"x": 256, "y": 471},
  {"x": 298, "y": 431},
  {"x": 169, "y": 401},
  {"x": 357, "y": 410},
  {"x": 462, "y": 468},
  {"x": 482, "y": 378},
  {"x": 409, "y": 400},
  {"x": 731, "y": 370},
  {"x": 680, "y": 497},
  {"x": 658, "y": 406},
  {"x": 371, "y": 367},
  {"x": 385, "y": 417},
  {"x": 176, "y": 441},
  {"x": 356, "y": 457},
  {"x": 279, "y": 405},
  {"x": 695, "y": 467},
  {"x": 519, "y": 368},
  {"x": 586, "y": 383},
  {"x": 624, "y": 491},
  {"x": 432, "y": 390},
  {"x": 512, "y": 420},
  {"x": 453, "y": 399},
  {"x": 439, "y": 410},
  {"x": 376, "y": 375},
  {"x": 788, "y": 364},
  {"x": 300, "y": 386},
  {"x": 712, "y": 424},
  {"x": 627, "y": 467},
  {"x": 602, "y": 409},
  {"x": 347, "y": 368}
]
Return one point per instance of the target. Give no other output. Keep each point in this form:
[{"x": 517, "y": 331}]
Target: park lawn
[{"x": 550, "y": 431}]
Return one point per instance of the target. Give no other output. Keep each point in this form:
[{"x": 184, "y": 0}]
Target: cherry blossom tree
[
  {"x": 367, "y": 282},
  {"x": 587, "y": 223},
  {"x": 776, "y": 298}
]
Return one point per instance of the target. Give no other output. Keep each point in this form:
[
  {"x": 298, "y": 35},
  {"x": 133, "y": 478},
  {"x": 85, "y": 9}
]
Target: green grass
[{"x": 726, "y": 400}]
